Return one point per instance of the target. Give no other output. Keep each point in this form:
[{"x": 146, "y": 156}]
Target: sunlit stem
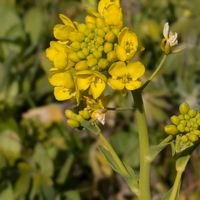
[
  {"x": 144, "y": 179},
  {"x": 157, "y": 70},
  {"x": 176, "y": 186}
]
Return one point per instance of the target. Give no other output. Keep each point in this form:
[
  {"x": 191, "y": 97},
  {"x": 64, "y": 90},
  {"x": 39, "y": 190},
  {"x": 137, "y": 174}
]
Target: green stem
[
  {"x": 157, "y": 70},
  {"x": 144, "y": 180},
  {"x": 176, "y": 186}
]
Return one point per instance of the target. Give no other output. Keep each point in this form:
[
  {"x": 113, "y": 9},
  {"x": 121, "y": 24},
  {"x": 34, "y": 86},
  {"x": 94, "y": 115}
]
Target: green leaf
[
  {"x": 7, "y": 193},
  {"x": 48, "y": 192},
  {"x": 43, "y": 160},
  {"x": 34, "y": 23},
  {"x": 63, "y": 174},
  {"x": 182, "y": 162},
  {"x": 22, "y": 185},
  {"x": 156, "y": 149},
  {"x": 72, "y": 195},
  {"x": 91, "y": 127}
]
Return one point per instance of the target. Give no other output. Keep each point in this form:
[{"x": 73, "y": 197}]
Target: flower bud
[
  {"x": 90, "y": 20},
  {"x": 103, "y": 63},
  {"x": 85, "y": 51},
  {"x": 184, "y": 108},
  {"x": 100, "y": 23},
  {"x": 100, "y": 48},
  {"x": 99, "y": 41},
  {"x": 91, "y": 62},
  {"x": 82, "y": 28},
  {"x": 108, "y": 47},
  {"x": 76, "y": 36},
  {"x": 192, "y": 112},
  {"x": 192, "y": 137},
  {"x": 74, "y": 57},
  {"x": 110, "y": 37},
  {"x": 171, "y": 129},
  {"x": 91, "y": 26},
  {"x": 181, "y": 128},
  {"x": 175, "y": 120},
  {"x": 80, "y": 54},
  {"x": 70, "y": 114},
  {"x": 84, "y": 113},
  {"x": 73, "y": 123},
  {"x": 75, "y": 46},
  {"x": 97, "y": 54},
  {"x": 82, "y": 65},
  {"x": 112, "y": 56},
  {"x": 100, "y": 33}
]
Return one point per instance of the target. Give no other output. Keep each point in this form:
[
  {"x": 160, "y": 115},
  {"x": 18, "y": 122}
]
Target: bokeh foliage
[{"x": 40, "y": 158}]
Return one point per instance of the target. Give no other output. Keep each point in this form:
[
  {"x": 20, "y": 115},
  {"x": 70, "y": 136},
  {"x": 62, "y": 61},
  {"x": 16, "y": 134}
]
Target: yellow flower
[
  {"x": 58, "y": 54},
  {"x": 126, "y": 76},
  {"x": 62, "y": 31},
  {"x": 111, "y": 12},
  {"x": 128, "y": 45},
  {"x": 63, "y": 85},
  {"x": 92, "y": 80}
]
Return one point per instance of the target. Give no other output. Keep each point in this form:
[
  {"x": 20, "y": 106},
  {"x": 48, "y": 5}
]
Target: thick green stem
[
  {"x": 144, "y": 180},
  {"x": 176, "y": 186}
]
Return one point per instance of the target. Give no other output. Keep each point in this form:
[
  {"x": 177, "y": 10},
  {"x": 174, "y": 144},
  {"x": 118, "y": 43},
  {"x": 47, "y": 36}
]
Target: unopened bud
[
  {"x": 110, "y": 37},
  {"x": 112, "y": 56},
  {"x": 175, "y": 120},
  {"x": 84, "y": 113},
  {"x": 171, "y": 129},
  {"x": 103, "y": 63},
  {"x": 82, "y": 65},
  {"x": 90, "y": 19},
  {"x": 184, "y": 108},
  {"x": 73, "y": 123},
  {"x": 91, "y": 62},
  {"x": 108, "y": 47}
]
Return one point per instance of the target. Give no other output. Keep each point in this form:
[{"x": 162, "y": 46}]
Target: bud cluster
[{"x": 185, "y": 127}]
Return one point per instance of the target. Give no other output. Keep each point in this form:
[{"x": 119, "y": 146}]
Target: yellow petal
[
  {"x": 62, "y": 79},
  {"x": 116, "y": 84},
  {"x": 136, "y": 69},
  {"x": 133, "y": 85},
  {"x": 83, "y": 81},
  {"x": 118, "y": 69},
  {"x": 61, "y": 32},
  {"x": 103, "y": 4},
  {"x": 121, "y": 53},
  {"x": 97, "y": 87},
  {"x": 66, "y": 20},
  {"x": 62, "y": 93},
  {"x": 113, "y": 15}
]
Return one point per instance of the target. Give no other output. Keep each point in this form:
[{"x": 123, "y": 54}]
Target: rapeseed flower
[{"x": 88, "y": 57}]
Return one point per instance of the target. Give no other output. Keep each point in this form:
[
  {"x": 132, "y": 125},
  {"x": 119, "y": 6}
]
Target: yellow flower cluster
[
  {"x": 87, "y": 57},
  {"x": 185, "y": 127}
]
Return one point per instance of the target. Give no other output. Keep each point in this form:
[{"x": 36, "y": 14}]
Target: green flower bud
[
  {"x": 100, "y": 33},
  {"x": 100, "y": 23},
  {"x": 91, "y": 36},
  {"x": 197, "y": 132},
  {"x": 110, "y": 37},
  {"x": 70, "y": 114},
  {"x": 181, "y": 117},
  {"x": 82, "y": 65},
  {"x": 108, "y": 47},
  {"x": 85, "y": 51},
  {"x": 183, "y": 122},
  {"x": 112, "y": 56},
  {"x": 100, "y": 48},
  {"x": 73, "y": 123},
  {"x": 187, "y": 129},
  {"x": 76, "y": 36},
  {"x": 192, "y": 137},
  {"x": 184, "y": 108},
  {"x": 175, "y": 120},
  {"x": 106, "y": 29},
  {"x": 99, "y": 41},
  {"x": 181, "y": 128},
  {"x": 192, "y": 112},
  {"x": 103, "y": 63},
  {"x": 116, "y": 31},
  {"x": 90, "y": 20},
  {"x": 74, "y": 57},
  {"x": 187, "y": 117},
  {"x": 83, "y": 45},
  {"x": 97, "y": 54},
  {"x": 84, "y": 113},
  {"x": 75, "y": 46},
  {"x": 91, "y": 26},
  {"x": 184, "y": 138},
  {"x": 82, "y": 28},
  {"x": 91, "y": 62},
  {"x": 80, "y": 54},
  {"x": 171, "y": 129},
  {"x": 87, "y": 39}
]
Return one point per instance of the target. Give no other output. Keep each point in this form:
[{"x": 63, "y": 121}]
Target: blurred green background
[{"x": 40, "y": 157}]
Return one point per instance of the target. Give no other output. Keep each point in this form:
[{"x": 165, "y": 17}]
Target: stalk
[{"x": 144, "y": 179}]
